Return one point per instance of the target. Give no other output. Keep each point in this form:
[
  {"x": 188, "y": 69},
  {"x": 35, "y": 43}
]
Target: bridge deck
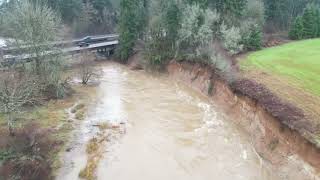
[{"x": 10, "y": 59}]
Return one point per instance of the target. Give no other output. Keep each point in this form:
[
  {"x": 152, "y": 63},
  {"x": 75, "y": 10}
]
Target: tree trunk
[
  {"x": 10, "y": 125},
  {"x": 38, "y": 66}
]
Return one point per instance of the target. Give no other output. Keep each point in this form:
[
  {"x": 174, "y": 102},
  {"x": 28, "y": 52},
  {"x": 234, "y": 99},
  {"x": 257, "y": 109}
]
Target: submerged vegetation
[
  {"x": 95, "y": 149},
  {"x": 94, "y": 152}
]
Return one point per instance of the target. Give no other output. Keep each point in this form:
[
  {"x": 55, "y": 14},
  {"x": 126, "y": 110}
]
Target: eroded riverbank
[{"x": 171, "y": 132}]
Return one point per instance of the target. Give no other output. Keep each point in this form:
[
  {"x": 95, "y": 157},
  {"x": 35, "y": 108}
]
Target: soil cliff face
[{"x": 273, "y": 139}]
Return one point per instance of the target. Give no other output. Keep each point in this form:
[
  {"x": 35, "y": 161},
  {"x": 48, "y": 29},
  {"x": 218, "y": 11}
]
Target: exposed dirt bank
[{"x": 275, "y": 138}]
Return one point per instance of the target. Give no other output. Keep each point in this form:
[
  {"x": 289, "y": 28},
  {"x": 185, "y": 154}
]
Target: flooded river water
[{"x": 172, "y": 132}]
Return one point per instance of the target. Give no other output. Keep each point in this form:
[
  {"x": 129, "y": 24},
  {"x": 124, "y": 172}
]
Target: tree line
[
  {"x": 185, "y": 29},
  {"x": 307, "y": 24}
]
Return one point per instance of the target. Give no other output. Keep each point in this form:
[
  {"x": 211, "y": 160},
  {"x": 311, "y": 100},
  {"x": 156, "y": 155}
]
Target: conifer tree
[
  {"x": 296, "y": 31},
  {"x": 130, "y": 26},
  {"x": 253, "y": 39},
  {"x": 231, "y": 8},
  {"x": 307, "y": 25}
]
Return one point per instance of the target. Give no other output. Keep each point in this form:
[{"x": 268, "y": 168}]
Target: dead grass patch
[
  {"x": 282, "y": 87},
  {"x": 28, "y": 153},
  {"x": 279, "y": 108},
  {"x": 285, "y": 89},
  {"x": 95, "y": 152},
  {"x": 77, "y": 107},
  {"x": 33, "y": 152},
  {"x": 80, "y": 114}
]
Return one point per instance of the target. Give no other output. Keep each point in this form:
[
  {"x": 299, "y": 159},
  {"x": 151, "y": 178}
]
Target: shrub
[
  {"x": 223, "y": 67},
  {"x": 87, "y": 71},
  {"x": 52, "y": 84},
  {"x": 27, "y": 155},
  {"x": 197, "y": 29},
  {"x": 231, "y": 39}
]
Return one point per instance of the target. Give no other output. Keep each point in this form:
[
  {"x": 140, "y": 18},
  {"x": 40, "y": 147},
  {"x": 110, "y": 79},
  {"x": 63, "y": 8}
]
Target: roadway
[
  {"x": 8, "y": 59},
  {"x": 94, "y": 39}
]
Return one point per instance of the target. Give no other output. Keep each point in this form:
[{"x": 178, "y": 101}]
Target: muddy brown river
[{"x": 171, "y": 132}]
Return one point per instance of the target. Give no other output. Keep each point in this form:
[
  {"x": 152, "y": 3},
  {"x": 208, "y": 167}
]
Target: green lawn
[{"x": 299, "y": 62}]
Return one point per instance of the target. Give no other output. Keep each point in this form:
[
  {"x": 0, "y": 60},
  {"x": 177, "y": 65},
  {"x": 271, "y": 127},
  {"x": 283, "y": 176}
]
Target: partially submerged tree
[{"x": 87, "y": 71}]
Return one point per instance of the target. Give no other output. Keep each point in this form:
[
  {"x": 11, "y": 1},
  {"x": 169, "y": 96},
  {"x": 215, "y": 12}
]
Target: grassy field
[
  {"x": 297, "y": 62},
  {"x": 291, "y": 71}
]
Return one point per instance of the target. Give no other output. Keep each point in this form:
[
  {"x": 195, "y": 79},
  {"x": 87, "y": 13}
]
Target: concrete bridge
[{"x": 103, "y": 44}]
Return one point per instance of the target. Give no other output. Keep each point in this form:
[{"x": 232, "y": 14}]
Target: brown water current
[{"x": 172, "y": 132}]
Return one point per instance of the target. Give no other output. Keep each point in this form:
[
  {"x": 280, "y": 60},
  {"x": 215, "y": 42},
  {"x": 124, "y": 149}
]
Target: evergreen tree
[
  {"x": 296, "y": 31},
  {"x": 253, "y": 39},
  {"x": 157, "y": 46},
  {"x": 131, "y": 25},
  {"x": 317, "y": 17},
  {"x": 142, "y": 15},
  {"x": 127, "y": 29},
  {"x": 162, "y": 33},
  {"x": 229, "y": 8},
  {"x": 100, "y": 5},
  {"x": 279, "y": 13},
  {"x": 201, "y": 3},
  {"x": 69, "y": 9},
  {"x": 85, "y": 20},
  {"x": 309, "y": 20},
  {"x": 171, "y": 18},
  {"x": 307, "y": 25}
]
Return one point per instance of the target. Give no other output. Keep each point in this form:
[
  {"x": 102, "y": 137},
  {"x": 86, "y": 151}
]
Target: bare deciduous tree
[
  {"x": 33, "y": 26},
  {"x": 15, "y": 92},
  {"x": 87, "y": 69}
]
